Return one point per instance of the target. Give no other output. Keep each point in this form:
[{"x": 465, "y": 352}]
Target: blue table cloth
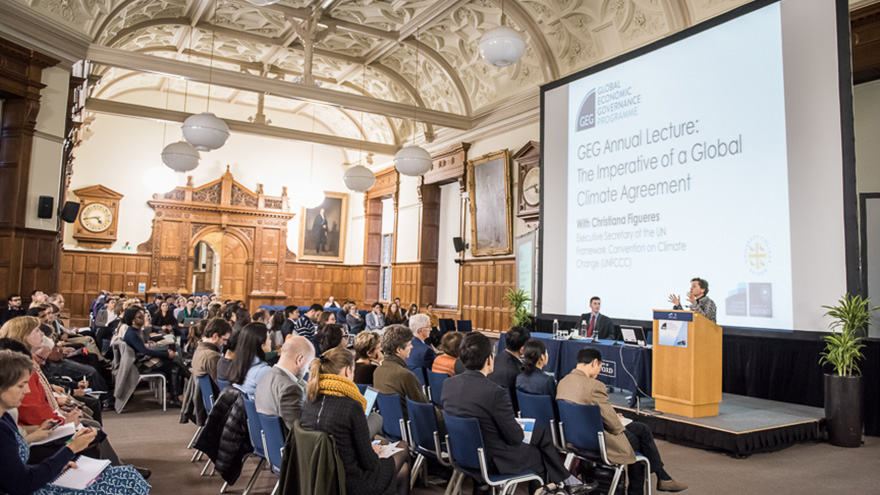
[{"x": 625, "y": 367}]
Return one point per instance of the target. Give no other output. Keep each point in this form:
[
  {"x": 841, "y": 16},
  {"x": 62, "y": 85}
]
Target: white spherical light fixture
[
  {"x": 180, "y": 156},
  {"x": 205, "y": 131},
  {"x": 412, "y": 160},
  {"x": 262, "y": 3},
  {"x": 160, "y": 180},
  {"x": 502, "y": 46},
  {"x": 359, "y": 178},
  {"x": 311, "y": 196}
]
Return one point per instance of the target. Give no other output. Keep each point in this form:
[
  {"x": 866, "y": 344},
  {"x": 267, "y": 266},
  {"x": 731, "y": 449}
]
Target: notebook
[
  {"x": 370, "y": 394},
  {"x": 62, "y": 431},
  {"x": 86, "y": 472}
]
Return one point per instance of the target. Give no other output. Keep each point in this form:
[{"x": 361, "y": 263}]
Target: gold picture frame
[
  {"x": 328, "y": 236},
  {"x": 491, "y": 213}
]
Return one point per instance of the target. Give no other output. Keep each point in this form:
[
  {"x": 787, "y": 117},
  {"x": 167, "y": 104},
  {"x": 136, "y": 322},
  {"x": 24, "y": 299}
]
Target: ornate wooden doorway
[{"x": 249, "y": 229}]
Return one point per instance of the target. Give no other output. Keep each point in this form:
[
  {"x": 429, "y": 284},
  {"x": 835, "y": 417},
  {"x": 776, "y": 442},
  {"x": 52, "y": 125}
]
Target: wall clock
[
  {"x": 95, "y": 226},
  {"x": 528, "y": 160}
]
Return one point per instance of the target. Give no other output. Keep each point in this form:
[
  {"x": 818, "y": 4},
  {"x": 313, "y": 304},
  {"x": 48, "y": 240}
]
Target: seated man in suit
[
  {"x": 598, "y": 323},
  {"x": 281, "y": 391},
  {"x": 472, "y": 395},
  {"x": 422, "y": 354},
  {"x": 509, "y": 362},
  {"x": 581, "y": 387}
]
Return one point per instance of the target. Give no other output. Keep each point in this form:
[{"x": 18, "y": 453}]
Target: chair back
[
  {"x": 464, "y": 326},
  {"x": 221, "y": 384},
  {"x": 464, "y": 438},
  {"x": 392, "y": 415},
  {"x": 254, "y": 428},
  {"x": 207, "y": 390},
  {"x": 537, "y": 407},
  {"x": 273, "y": 440},
  {"x": 435, "y": 382},
  {"x": 362, "y": 387},
  {"x": 446, "y": 325},
  {"x": 420, "y": 375},
  {"x": 581, "y": 425},
  {"x": 422, "y": 426}
]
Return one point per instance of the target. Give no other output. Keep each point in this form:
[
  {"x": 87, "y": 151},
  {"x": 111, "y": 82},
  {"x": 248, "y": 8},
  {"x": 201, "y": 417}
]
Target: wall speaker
[
  {"x": 44, "y": 207},
  {"x": 459, "y": 244},
  {"x": 70, "y": 211}
]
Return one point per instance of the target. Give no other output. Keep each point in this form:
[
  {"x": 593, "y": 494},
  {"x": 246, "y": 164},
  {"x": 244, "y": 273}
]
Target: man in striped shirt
[{"x": 307, "y": 324}]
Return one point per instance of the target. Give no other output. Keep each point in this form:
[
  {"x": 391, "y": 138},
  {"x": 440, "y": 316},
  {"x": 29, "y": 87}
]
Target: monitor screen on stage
[{"x": 716, "y": 154}]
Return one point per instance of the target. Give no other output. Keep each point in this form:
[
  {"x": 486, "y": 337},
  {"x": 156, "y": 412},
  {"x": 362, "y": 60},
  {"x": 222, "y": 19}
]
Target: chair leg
[
  {"x": 617, "y": 473},
  {"x": 254, "y": 476},
  {"x": 224, "y": 487},
  {"x": 205, "y": 469},
  {"x": 647, "y": 489},
  {"x": 569, "y": 459},
  {"x": 414, "y": 474},
  {"x": 450, "y": 486},
  {"x": 212, "y": 470},
  {"x": 275, "y": 490},
  {"x": 199, "y": 456},
  {"x": 195, "y": 435}
]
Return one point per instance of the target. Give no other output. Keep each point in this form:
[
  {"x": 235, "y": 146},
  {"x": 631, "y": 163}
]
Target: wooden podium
[{"x": 687, "y": 379}]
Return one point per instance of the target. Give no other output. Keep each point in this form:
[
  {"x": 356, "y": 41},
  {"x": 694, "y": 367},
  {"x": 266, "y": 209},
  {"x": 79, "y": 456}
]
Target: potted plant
[
  {"x": 517, "y": 300},
  {"x": 843, "y": 387}
]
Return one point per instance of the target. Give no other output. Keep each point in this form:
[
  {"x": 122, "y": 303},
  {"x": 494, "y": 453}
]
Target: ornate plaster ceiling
[{"x": 421, "y": 53}]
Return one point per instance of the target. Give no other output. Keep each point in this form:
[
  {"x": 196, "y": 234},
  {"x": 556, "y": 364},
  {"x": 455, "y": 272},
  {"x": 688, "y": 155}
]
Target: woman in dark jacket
[
  {"x": 153, "y": 359},
  {"x": 334, "y": 405},
  {"x": 164, "y": 322},
  {"x": 532, "y": 379}
]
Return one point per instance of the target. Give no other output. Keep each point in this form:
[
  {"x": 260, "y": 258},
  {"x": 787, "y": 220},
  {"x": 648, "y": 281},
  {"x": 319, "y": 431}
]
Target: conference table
[{"x": 623, "y": 366}]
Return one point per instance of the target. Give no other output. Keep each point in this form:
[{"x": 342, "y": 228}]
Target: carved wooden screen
[{"x": 253, "y": 229}]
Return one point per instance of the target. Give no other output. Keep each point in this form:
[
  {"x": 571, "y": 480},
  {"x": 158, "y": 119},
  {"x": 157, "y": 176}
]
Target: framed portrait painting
[
  {"x": 322, "y": 229},
  {"x": 489, "y": 193}
]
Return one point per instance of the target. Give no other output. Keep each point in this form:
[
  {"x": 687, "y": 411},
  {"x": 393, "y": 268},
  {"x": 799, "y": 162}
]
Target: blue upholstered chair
[
  {"x": 424, "y": 437},
  {"x": 435, "y": 385},
  {"x": 392, "y": 416},
  {"x": 540, "y": 408}
]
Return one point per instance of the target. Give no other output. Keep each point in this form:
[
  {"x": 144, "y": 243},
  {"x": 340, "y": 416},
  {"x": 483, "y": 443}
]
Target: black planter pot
[{"x": 843, "y": 410}]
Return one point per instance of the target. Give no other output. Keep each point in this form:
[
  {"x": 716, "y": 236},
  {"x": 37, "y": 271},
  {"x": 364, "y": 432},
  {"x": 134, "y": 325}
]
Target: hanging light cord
[
  {"x": 363, "y": 129},
  {"x": 312, "y": 157},
  {"x": 416, "y": 103},
  {"x": 211, "y": 64}
]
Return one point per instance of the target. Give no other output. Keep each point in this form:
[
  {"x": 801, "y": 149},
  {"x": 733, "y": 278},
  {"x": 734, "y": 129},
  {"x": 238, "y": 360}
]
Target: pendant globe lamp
[
  {"x": 205, "y": 131},
  {"x": 180, "y": 156},
  {"x": 413, "y": 160},
  {"x": 359, "y": 178},
  {"x": 502, "y": 46}
]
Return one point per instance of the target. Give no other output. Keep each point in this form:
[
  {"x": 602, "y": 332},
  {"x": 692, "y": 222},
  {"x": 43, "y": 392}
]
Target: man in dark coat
[
  {"x": 597, "y": 323},
  {"x": 319, "y": 232}
]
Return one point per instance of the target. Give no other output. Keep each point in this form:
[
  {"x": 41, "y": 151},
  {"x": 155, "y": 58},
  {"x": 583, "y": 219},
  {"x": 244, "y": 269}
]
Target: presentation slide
[{"x": 673, "y": 165}]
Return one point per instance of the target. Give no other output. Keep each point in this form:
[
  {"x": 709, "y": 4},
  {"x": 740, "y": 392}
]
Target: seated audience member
[
  {"x": 154, "y": 306},
  {"x": 326, "y": 318},
  {"x": 71, "y": 386},
  {"x": 393, "y": 316},
  {"x": 331, "y": 303},
  {"x": 472, "y": 395},
  {"x": 400, "y": 307},
  {"x": 435, "y": 320},
  {"x": 261, "y": 316},
  {"x": 307, "y": 324},
  {"x": 508, "y": 363},
  {"x": 597, "y": 323},
  {"x": 249, "y": 364},
  {"x": 164, "y": 321},
  {"x": 413, "y": 310},
  {"x": 207, "y": 355},
  {"x": 228, "y": 350},
  {"x": 282, "y": 390},
  {"x": 422, "y": 354},
  {"x": 215, "y": 310},
  {"x": 108, "y": 314},
  {"x": 291, "y": 315},
  {"x": 581, "y": 387},
  {"x": 240, "y": 318},
  {"x": 448, "y": 362},
  {"x": 532, "y": 378},
  {"x": 13, "y": 308},
  {"x": 366, "y": 348},
  {"x": 330, "y": 336},
  {"x": 23, "y": 478},
  {"x": 179, "y": 305},
  {"x": 354, "y": 320},
  {"x": 152, "y": 358},
  {"x": 194, "y": 336},
  {"x": 392, "y": 376},
  {"x": 66, "y": 336},
  {"x": 39, "y": 311},
  {"x": 375, "y": 319},
  {"x": 276, "y": 329},
  {"x": 202, "y": 303},
  {"x": 335, "y": 406},
  {"x": 188, "y": 311}
]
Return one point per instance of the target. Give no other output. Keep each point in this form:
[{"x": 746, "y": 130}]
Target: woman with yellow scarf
[{"x": 335, "y": 406}]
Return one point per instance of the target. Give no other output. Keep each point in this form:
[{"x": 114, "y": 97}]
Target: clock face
[
  {"x": 531, "y": 188},
  {"x": 96, "y": 217}
]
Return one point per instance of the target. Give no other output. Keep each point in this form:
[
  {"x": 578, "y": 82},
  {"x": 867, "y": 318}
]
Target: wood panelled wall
[
  {"x": 481, "y": 292},
  {"x": 84, "y": 273}
]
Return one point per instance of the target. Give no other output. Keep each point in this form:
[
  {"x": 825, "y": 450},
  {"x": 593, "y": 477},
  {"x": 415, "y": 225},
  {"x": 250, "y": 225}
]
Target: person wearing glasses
[{"x": 13, "y": 309}]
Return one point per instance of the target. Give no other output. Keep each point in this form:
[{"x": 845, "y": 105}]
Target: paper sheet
[
  {"x": 61, "y": 432},
  {"x": 389, "y": 450}
]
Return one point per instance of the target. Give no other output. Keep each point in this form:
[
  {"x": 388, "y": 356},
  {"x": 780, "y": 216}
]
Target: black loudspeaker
[
  {"x": 459, "y": 244},
  {"x": 70, "y": 211},
  {"x": 44, "y": 207}
]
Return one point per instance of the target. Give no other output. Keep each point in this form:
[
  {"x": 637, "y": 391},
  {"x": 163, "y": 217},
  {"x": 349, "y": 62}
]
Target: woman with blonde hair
[
  {"x": 335, "y": 406},
  {"x": 366, "y": 348},
  {"x": 25, "y": 329}
]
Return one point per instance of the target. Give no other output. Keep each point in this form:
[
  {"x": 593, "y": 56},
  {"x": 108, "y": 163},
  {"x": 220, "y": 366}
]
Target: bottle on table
[
  {"x": 583, "y": 331},
  {"x": 556, "y": 334}
]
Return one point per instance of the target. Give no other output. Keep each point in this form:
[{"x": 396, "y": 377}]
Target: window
[{"x": 385, "y": 280}]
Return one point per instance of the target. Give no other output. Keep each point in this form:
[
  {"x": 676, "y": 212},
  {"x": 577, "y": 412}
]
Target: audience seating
[
  {"x": 154, "y": 379},
  {"x": 362, "y": 387},
  {"x": 206, "y": 390},
  {"x": 540, "y": 408},
  {"x": 583, "y": 434},
  {"x": 256, "y": 433},
  {"x": 273, "y": 443},
  {"x": 392, "y": 416},
  {"x": 446, "y": 325},
  {"x": 464, "y": 326},
  {"x": 221, "y": 384},
  {"x": 435, "y": 386},
  {"x": 468, "y": 456},
  {"x": 424, "y": 437}
]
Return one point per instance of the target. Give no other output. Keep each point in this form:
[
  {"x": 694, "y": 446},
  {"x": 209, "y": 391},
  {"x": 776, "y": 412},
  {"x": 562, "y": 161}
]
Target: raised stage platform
[{"x": 744, "y": 425}]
